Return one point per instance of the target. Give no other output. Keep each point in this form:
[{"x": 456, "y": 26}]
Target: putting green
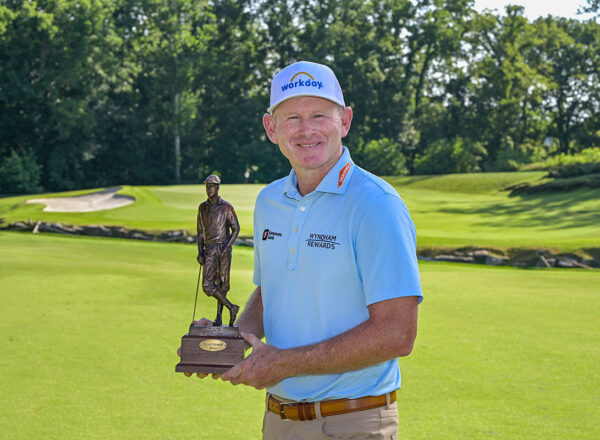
[{"x": 90, "y": 327}]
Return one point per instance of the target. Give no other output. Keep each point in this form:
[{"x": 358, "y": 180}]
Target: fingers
[
  {"x": 251, "y": 339},
  {"x": 203, "y": 375},
  {"x": 233, "y": 373}
]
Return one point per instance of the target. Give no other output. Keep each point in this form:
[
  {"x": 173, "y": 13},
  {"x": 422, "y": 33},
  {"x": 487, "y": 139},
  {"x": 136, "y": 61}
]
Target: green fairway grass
[
  {"x": 89, "y": 329},
  {"x": 449, "y": 211},
  {"x": 89, "y": 333}
]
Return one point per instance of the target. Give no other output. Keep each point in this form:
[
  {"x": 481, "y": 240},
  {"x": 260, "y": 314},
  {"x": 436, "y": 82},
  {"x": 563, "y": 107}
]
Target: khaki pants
[{"x": 379, "y": 423}]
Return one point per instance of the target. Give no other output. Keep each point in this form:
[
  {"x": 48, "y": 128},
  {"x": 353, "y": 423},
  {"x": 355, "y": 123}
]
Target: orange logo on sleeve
[{"x": 343, "y": 174}]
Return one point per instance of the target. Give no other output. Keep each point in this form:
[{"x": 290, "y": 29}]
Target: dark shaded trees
[
  {"x": 150, "y": 92},
  {"x": 56, "y": 61}
]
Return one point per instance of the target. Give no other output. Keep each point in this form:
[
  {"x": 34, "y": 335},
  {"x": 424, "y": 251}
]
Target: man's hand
[
  {"x": 205, "y": 322},
  {"x": 200, "y": 259},
  {"x": 263, "y": 368}
]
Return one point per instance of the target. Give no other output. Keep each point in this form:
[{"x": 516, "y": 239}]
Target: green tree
[
  {"x": 505, "y": 87},
  {"x": 571, "y": 63},
  {"x": 450, "y": 156},
  {"x": 156, "y": 115},
  {"x": 56, "y": 60},
  {"x": 381, "y": 157},
  {"x": 591, "y": 6},
  {"x": 20, "y": 173}
]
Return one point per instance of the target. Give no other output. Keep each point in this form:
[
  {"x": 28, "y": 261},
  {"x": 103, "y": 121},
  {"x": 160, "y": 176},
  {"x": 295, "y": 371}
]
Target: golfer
[{"x": 336, "y": 272}]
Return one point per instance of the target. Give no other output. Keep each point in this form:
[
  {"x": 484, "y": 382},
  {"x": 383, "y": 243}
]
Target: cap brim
[{"x": 315, "y": 95}]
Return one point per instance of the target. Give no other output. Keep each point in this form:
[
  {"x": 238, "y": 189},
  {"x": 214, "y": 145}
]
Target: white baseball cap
[{"x": 305, "y": 79}]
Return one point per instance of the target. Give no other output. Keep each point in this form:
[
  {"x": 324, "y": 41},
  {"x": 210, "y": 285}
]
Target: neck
[
  {"x": 308, "y": 180},
  {"x": 308, "y": 183}
]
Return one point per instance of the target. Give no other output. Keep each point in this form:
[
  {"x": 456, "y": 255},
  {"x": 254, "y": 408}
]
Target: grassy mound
[
  {"x": 453, "y": 211},
  {"x": 557, "y": 185},
  {"x": 90, "y": 327}
]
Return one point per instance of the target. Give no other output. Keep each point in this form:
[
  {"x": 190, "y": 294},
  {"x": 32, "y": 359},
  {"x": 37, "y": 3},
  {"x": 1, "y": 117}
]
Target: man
[
  {"x": 217, "y": 227},
  {"x": 336, "y": 273}
]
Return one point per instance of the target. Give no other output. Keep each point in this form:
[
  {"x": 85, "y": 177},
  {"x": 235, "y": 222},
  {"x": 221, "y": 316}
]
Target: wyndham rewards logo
[
  {"x": 323, "y": 241},
  {"x": 301, "y": 82}
]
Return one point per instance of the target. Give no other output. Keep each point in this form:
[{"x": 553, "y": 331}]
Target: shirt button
[
  {"x": 292, "y": 250},
  {"x": 296, "y": 229},
  {"x": 303, "y": 208}
]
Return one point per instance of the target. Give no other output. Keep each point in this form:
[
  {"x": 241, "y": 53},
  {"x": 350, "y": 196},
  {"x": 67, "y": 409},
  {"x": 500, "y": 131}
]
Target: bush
[
  {"x": 450, "y": 156},
  {"x": 581, "y": 164},
  {"x": 382, "y": 157},
  {"x": 515, "y": 158},
  {"x": 20, "y": 174},
  {"x": 564, "y": 165}
]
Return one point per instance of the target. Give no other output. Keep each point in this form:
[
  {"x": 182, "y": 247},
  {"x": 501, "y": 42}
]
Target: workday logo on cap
[
  {"x": 305, "y": 79},
  {"x": 310, "y": 82}
]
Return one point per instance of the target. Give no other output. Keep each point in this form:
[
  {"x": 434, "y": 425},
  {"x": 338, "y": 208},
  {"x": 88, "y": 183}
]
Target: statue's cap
[{"x": 213, "y": 178}]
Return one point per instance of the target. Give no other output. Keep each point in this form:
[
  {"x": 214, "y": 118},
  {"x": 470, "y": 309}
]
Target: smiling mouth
[{"x": 308, "y": 145}]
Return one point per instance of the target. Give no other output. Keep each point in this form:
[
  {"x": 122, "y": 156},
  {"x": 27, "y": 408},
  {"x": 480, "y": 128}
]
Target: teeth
[{"x": 308, "y": 145}]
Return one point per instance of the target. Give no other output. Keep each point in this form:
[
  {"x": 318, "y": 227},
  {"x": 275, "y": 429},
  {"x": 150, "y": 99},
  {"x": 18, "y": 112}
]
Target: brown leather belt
[{"x": 306, "y": 410}]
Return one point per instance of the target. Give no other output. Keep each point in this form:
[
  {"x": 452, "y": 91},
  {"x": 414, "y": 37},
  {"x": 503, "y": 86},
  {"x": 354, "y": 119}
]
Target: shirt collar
[
  {"x": 335, "y": 181},
  {"x": 290, "y": 188}
]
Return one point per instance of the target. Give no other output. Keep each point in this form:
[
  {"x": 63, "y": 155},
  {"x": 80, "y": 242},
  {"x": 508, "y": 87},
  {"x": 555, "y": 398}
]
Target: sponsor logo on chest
[
  {"x": 270, "y": 235},
  {"x": 323, "y": 241}
]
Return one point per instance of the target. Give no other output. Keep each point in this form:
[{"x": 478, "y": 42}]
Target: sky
[{"x": 537, "y": 8}]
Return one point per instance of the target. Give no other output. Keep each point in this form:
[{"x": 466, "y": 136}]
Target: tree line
[{"x": 96, "y": 93}]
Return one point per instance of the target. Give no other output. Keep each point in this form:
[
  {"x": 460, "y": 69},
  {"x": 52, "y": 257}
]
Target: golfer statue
[{"x": 217, "y": 228}]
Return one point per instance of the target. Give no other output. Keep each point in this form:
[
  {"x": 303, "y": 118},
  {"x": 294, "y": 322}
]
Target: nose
[{"x": 305, "y": 126}]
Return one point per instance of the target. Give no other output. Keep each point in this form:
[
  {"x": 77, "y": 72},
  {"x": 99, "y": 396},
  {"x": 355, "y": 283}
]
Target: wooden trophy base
[{"x": 209, "y": 349}]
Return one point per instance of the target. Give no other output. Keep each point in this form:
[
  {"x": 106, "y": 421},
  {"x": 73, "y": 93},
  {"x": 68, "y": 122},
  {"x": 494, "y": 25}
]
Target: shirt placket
[{"x": 298, "y": 221}]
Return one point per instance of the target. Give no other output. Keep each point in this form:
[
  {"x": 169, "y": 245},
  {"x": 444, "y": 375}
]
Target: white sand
[{"x": 107, "y": 199}]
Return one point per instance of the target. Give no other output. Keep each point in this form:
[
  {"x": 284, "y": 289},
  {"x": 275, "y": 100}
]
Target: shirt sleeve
[{"x": 386, "y": 251}]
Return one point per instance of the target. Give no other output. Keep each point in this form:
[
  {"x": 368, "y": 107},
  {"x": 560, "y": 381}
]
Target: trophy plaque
[
  {"x": 213, "y": 348},
  {"x": 210, "y": 349}
]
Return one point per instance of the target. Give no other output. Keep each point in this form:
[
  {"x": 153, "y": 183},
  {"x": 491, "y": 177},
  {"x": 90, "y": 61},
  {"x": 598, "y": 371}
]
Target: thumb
[
  {"x": 251, "y": 339},
  {"x": 233, "y": 373}
]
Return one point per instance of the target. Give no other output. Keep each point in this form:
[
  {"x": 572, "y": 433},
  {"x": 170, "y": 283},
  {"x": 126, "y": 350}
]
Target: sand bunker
[{"x": 98, "y": 201}]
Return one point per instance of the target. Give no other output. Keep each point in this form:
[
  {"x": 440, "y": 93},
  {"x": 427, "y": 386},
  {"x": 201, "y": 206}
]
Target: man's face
[
  {"x": 212, "y": 190},
  {"x": 309, "y": 131}
]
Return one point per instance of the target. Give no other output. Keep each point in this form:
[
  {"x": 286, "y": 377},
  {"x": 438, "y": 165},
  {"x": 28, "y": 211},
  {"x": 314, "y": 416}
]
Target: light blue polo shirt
[{"x": 322, "y": 259}]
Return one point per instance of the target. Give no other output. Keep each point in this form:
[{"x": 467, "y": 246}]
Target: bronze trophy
[{"x": 214, "y": 348}]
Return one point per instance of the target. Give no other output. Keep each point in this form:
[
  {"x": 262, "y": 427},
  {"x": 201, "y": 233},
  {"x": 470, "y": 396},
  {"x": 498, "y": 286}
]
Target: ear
[
  {"x": 269, "y": 124},
  {"x": 346, "y": 120}
]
